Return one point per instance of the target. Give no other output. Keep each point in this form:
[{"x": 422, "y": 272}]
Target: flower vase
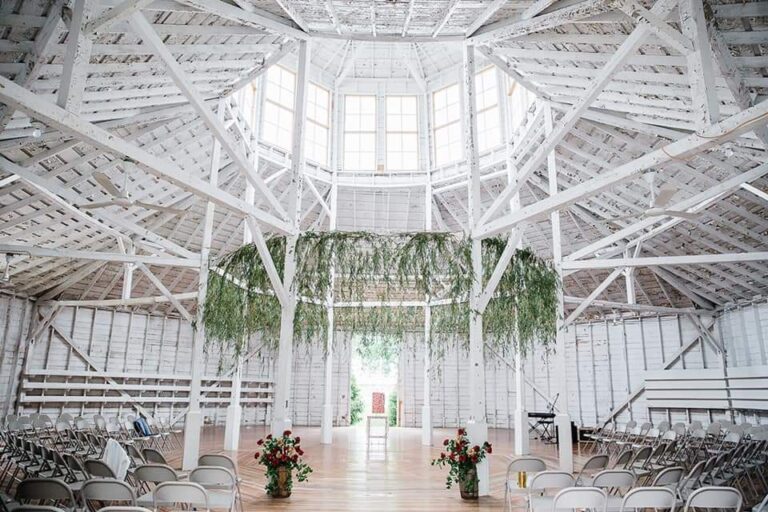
[
  {"x": 283, "y": 483},
  {"x": 469, "y": 483}
]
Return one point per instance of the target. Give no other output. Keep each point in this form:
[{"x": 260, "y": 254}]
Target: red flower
[
  {"x": 476, "y": 448},
  {"x": 286, "y": 433},
  {"x": 256, "y": 456},
  {"x": 462, "y": 432},
  {"x": 297, "y": 440},
  {"x": 462, "y": 458},
  {"x": 445, "y": 443},
  {"x": 269, "y": 436},
  {"x": 299, "y": 451},
  {"x": 260, "y": 442}
]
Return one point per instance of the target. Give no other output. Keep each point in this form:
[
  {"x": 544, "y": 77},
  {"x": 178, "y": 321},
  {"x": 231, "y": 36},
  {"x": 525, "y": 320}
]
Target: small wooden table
[{"x": 380, "y": 419}]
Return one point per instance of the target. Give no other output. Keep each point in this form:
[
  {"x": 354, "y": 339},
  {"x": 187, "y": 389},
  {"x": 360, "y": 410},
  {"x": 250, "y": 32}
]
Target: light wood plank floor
[{"x": 351, "y": 475}]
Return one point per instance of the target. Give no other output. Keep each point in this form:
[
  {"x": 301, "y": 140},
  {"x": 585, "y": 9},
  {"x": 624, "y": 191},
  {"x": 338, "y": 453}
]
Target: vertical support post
[
  {"x": 194, "y": 419},
  {"x": 477, "y": 428},
  {"x": 426, "y": 408},
  {"x": 629, "y": 281},
  {"x": 235, "y": 408},
  {"x": 520, "y": 413},
  {"x": 128, "y": 269},
  {"x": 562, "y": 418},
  {"x": 326, "y": 431},
  {"x": 281, "y": 420}
]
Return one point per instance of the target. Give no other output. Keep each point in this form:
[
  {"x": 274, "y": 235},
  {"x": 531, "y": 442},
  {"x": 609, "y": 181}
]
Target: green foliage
[
  {"x": 392, "y": 409},
  {"x": 356, "y": 405},
  {"x": 366, "y": 266}
]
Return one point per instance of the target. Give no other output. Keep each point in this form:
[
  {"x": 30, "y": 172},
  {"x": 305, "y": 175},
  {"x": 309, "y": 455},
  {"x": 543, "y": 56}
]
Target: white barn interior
[{"x": 623, "y": 141}]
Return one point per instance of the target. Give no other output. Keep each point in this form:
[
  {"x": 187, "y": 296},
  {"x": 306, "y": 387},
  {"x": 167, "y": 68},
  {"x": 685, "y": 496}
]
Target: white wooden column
[
  {"x": 477, "y": 428},
  {"x": 235, "y": 408},
  {"x": 326, "y": 427},
  {"x": 128, "y": 269},
  {"x": 194, "y": 419},
  {"x": 426, "y": 408},
  {"x": 281, "y": 419},
  {"x": 562, "y": 419},
  {"x": 520, "y": 414}
]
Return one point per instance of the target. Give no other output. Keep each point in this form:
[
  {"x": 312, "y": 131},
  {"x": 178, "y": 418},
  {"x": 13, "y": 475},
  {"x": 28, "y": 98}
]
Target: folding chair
[
  {"x": 641, "y": 498},
  {"x": 180, "y": 493},
  {"x": 107, "y": 491},
  {"x": 528, "y": 465},
  {"x": 714, "y": 497},
  {"x": 42, "y": 490},
  {"x": 615, "y": 482},
  {"x": 593, "y": 465},
  {"x": 538, "y": 500},
  {"x": 223, "y": 461},
  {"x": 590, "y": 498},
  {"x": 220, "y": 483},
  {"x": 98, "y": 469}
]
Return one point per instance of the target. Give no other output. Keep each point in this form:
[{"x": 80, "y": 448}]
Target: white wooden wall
[
  {"x": 15, "y": 315},
  {"x": 606, "y": 363},
  {"x": 148, "y": 356}
]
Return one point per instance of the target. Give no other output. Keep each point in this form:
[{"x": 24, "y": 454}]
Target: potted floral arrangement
[
  {"x": 281, "y": 455},
  {"x": 462, "y": 458}
]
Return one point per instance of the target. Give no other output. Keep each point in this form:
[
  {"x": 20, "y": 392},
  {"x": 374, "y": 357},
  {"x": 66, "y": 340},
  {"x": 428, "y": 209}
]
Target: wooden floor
[{"x": 352, "y": 475}]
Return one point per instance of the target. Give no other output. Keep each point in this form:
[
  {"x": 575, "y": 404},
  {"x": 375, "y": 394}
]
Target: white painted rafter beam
[
  {"x": 44, "y": 40},
  {"x": 134, "y": 301},
  {"x": 507, "y": 68},
  {"x": 445, "y": 16},
  {"x": 700, "y": 63},
  {"x": 511, "y": 27},
  {"x": 273, "y": 59},
  {"x": 592, "y": 296},
  {"x": 654, "y": 261},
  {"x": 759, "y": 193},
  {"x": 252, "y": 17},
  {"x": 501, "y": 266},
  {"x": 728, "y": 129},
  {"x": 74, "y": 125},
  {"x": 76, "y": 59},
  {"x": 166, "y": 293},
  {"x": 572, "y": 116},
  {"x": 293, "y": 13},
  {"x": 180, "y": 78},
  {"x": 120, "y": 12},
  {"x": 45, "y": 252},
  {"x": 658, "y": 25},
  {"x": 639, "y": 308},
  {"x": 693, "y": 204}
]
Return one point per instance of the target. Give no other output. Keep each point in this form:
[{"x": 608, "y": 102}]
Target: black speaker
[{"x": 574, "y": 434}]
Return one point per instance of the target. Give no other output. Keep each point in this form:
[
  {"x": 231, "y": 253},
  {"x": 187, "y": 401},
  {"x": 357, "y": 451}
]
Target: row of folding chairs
[
  {"x": 743, "y": 469},
  {"x": 161, "y": 434},
  {"x": 208, "y": 488}
]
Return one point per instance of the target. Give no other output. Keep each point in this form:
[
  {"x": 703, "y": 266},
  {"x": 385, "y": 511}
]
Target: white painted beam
[
  {"x": 681, "y": 149},
  {"x": 76, "y": 58},
  {"x": 69, "y": 123},
  {"x": 43, "y": 252},
  {"x": 652, "y": 261},
  {"x": 253, "y": 17},
  {"x": 700, "y": 63},
  {"x": 120, "y": 12},
  {"x": 144, "y": 30},
  {"x": 592, "y": 296}
]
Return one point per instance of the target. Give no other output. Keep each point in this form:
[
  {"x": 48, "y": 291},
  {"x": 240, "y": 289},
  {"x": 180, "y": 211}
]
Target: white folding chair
[
  {"x": 107, "y": 491},
  {"x": 649, "y": 497},
  {"x": 529, "y": 465},
  {"x": 219, "y": 483},
  {"x": 223, "y": 461},
  {"x": 42, "y": 490},
  {"x": 573, "y": 498},
  {"x": 715, "y": 497},
  {"x": 147, "y": 474},
  {"x": 541, "y": 482},
  {"x": 124, "y": 509},
  {"x": 180, "y": 493},
  {"x": 615, "y": 482},
  {"x": 593, "y": 465},
  {"x": 669, "y": 478}
]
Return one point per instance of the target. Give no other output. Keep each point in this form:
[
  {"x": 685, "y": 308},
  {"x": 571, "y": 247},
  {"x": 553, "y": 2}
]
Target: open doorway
[{"x": 374, "y": 379}]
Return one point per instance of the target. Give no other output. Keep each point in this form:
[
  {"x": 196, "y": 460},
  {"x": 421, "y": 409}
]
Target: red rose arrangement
[
  {"x": 282, "y": 452},
  {"x": 461, "y": 456}
]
